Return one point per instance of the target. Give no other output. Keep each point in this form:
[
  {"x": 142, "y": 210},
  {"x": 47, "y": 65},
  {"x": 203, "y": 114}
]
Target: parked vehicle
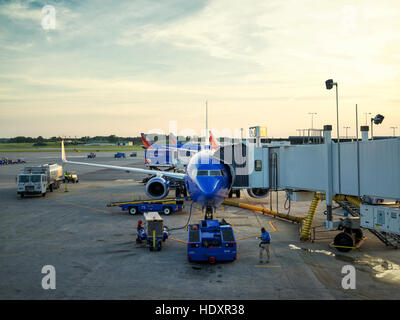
[
  {"x": 92, "y": 155},
  {"x": 133, "y": 154},
  {"x": 120, "y": 155},
  {"x": 38, "y": 180},
  {"x": 211, "y": 240},
  {"x": 11, "y": 161},
  {"x": 153, "y": 233},
  {"x": 71, "y": 176},
  {"x": 165, "y": 206}
]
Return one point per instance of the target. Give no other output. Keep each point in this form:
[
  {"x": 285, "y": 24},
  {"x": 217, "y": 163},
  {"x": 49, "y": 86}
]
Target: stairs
[
  {"x": 308, "y": 221},
  {"x": 389, "y": 239}
]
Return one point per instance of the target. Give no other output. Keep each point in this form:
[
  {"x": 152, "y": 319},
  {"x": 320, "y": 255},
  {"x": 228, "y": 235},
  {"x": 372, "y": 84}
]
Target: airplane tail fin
[
  {"x": 213, "y": 142},
  {"x": 172, "y": 140},
  {"x": 63, "y": 157},
  {"x": 146, "y": 143}
]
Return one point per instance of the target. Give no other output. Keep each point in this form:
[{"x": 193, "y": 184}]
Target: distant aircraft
[
  {"x": 214, "y": 142},
  {"x": 173, "y": 140},
  {"x": 207, "y": 179},
  {"x": 173, "y": 155}
]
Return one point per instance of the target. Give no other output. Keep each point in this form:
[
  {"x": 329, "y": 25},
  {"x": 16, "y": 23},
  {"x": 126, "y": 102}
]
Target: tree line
[{"x": 71, "y": 140}]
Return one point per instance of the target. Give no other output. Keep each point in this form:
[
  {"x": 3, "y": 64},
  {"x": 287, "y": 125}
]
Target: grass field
[{"x": 56, "y": 146}]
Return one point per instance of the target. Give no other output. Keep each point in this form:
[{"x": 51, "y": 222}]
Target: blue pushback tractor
[{"x": 211, "y": 240}]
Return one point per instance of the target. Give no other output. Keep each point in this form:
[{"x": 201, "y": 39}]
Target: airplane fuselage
[{"x": 207, "y": 179}]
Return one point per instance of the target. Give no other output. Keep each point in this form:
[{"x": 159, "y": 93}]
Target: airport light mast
[
  {"x": 377, "y": 120},
  {"x": 207, "y": 138},
  {"x": 366, "y": 117},
  {"x": 346, "y": 128},
  {"x": 329, "y": 85},
  {"x": 312, "y": 119}
]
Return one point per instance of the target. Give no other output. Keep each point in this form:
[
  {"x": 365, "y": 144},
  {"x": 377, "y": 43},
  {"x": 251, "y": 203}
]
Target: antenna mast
[{"x": 207, "y": 137}]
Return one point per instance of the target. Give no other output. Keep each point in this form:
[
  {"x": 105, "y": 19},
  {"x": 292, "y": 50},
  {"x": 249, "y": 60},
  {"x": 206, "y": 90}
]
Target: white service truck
[{"x": 37, "y": 180}]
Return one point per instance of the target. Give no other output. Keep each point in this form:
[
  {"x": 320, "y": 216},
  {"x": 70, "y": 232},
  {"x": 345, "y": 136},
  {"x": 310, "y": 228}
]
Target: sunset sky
[{"x": 125, "y": 67}]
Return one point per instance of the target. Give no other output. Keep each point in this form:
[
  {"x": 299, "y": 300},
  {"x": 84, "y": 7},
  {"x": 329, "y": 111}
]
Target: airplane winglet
[
  {"x": 63, "y": 157},
  {"x": 146, "y": 143}
]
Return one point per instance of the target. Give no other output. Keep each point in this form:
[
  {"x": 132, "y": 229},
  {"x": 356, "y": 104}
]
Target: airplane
[
  {"x": 175, "y": 144},
  {"x": 160, "y": 156},
  {"x": 215, "y": 145},
  {"x": 175, "y": 154},
  {"x": 208, "y": 180},
  {"x": 173, "y": 140}
]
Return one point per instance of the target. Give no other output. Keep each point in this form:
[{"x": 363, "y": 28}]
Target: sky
[{"x": 125, "y": 67}]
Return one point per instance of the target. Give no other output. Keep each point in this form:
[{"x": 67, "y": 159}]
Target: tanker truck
[{"x": 38, "y": 180}]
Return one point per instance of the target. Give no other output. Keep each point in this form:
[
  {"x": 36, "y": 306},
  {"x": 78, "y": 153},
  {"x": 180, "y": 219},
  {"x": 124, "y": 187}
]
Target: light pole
[
  {"x": 346, "y": 128},
  {"x": 329, "y": 85},
  {"x": 312, "y": 119},
  {"x": 207, "y": 137},
  {"x": 366, "y": 117},
  {"x": 394, "y": 130},
  {"x": 377, "y": 120}
]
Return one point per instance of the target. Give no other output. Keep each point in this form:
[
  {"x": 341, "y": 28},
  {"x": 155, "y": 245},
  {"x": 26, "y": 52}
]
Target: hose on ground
[
  {"x": 287, "y": 207},
  {"x": 187, "y": 223}
]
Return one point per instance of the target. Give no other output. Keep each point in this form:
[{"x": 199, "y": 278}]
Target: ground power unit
[{"x": 384, "y": 218}]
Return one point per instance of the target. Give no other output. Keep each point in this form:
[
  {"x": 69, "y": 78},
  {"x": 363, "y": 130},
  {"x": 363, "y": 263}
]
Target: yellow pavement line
[
  {"x": 247, "y": 237},
  {"x": 177, "y": 240},
  {"x": 273, "y": 226},
  {"x": 265, "y": 266}
]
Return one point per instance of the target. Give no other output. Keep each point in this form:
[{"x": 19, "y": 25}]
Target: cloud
[{"x": 253, "y": 61}]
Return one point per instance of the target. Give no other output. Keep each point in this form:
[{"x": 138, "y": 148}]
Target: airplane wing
[{"x": 174, "y": 175}]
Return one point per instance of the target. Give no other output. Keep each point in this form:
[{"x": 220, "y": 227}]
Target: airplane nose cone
[{"x": 209, "y": 188}]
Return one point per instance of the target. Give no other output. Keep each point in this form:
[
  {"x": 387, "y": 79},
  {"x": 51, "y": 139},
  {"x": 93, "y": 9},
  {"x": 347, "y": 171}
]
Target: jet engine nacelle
[
  {"x": 157, "y": 188},
  {"x": 258, "y": 192}
]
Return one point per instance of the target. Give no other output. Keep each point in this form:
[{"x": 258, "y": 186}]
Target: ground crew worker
[
  {"x": 140, "y": 231},
  {"x": 264, "y": 245}
]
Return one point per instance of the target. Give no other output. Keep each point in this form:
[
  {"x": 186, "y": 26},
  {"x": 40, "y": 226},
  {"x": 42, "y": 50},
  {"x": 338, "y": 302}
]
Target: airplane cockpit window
[
  {"x": 212, "y": 173},
  {"x": 215, "y": 173}
]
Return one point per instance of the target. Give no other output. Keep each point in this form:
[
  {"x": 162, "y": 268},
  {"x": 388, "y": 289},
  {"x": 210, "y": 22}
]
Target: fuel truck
[{"x": 38, "y": 180}]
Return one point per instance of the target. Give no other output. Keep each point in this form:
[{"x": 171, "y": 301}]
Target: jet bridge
[{"x": 366, "y": 169}]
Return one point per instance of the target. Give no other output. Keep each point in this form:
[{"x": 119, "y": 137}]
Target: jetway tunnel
[{"x": 364, "y": 169}]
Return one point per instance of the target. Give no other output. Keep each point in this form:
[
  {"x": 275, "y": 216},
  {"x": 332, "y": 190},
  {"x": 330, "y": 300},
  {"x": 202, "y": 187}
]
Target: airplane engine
[
  {"x": 258, "y": 192},
  {"x": 232, "y": 174},
  {"x": 157, "y": 188}
]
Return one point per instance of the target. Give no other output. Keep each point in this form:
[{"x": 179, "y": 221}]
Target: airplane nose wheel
[{"x": 209, "y": 213}]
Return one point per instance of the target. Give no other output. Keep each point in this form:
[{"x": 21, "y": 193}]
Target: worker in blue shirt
[{"x": 264, "y": 244}]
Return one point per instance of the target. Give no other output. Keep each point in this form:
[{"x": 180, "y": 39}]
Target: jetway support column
[
  {"x": 364, "y": 133},
  {"x": 329, "y": 167}
]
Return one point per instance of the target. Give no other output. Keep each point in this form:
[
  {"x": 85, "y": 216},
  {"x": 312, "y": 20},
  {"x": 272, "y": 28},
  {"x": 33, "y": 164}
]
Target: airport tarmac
[{"x": 95, "y": 255}]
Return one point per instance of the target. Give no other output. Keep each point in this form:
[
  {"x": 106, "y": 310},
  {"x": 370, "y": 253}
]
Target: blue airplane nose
[{"x": 209, "y": 187}]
